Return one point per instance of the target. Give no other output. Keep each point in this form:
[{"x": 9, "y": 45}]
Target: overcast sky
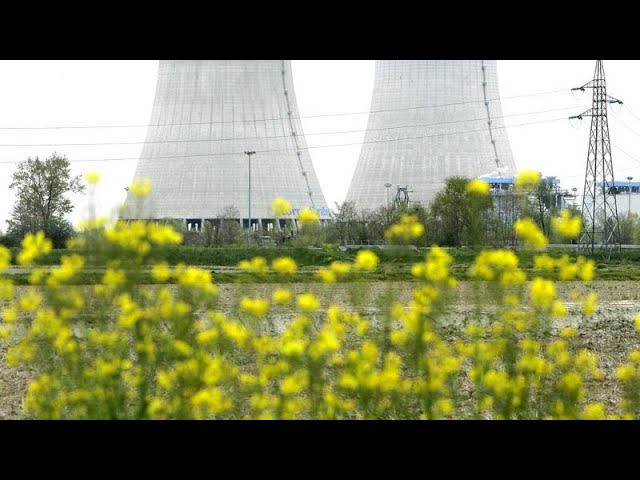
[{"x": 90, "y": 93}]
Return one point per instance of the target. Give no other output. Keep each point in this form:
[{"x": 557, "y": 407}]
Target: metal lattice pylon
[
  {"x": 402, "y": 199},
  {"x": 599, "y": 207}
]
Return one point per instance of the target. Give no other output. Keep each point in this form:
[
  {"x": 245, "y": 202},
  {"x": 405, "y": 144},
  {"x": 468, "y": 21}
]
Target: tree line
[{"x": 455, "y": 217}]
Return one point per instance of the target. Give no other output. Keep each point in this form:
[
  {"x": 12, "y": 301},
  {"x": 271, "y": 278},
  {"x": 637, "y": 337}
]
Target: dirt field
[{"x": 609, "y": 333}]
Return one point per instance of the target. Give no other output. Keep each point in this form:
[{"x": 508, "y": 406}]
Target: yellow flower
[
  {"x": 566, "y": 225},
  {"x": 366, "y": 260},
  {"x": 636, "y": 323},
  {"x": 113, "y": 278},
  {"x": 308, "y": 302},
  {"x": 92, "y": 177},
  {"x": 326, "y": 275},
  {"x": 293, "y": 384},
  {"x": 568, "y": 332},
  {"x": 33, "y": 246},
  {"x": 284, "y": 265},
  {"x": 478, "y": 187},
  {"x": 589, "y": 306},
  {"x": 206, "y": 337},
  {"x": 528, "y": 231},
  {"x": 6, "y": 289},
  {"x": 141, "y": 187},
  {"x": 255, "y": 306},
  {"x": 282, "y": 296},
  {"x": 340, "y": 268},
  {"x": 5, "y": 258},
  {"x": 626, "y": 372},
  {"x": 409, "y": 228},
  {"x": 594, "y": 411},
  {"x": 308, "y": 216},
  {"x": 544, "y": 262},
  {"x": 255, "y": 265},
  {"x": 527, "y": 179},
  {"x": 161, "y": 272},
  {"x": 280, "y": 207},
  {"x": 543, "y": 292},
  {"x": 30, "y": 301},
  {"x": 588, "y": 269}
]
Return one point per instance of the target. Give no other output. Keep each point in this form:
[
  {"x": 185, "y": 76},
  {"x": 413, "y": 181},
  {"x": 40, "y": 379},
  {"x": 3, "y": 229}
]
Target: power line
[
  {"x": 466, "y": 102},
  {"x": 313, "y": 147},
  {"x": 339, "y": 132}
]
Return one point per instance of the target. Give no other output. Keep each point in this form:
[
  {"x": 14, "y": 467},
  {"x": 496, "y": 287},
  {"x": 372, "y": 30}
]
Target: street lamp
[
  {"x": 388, "y": 185},
  {"x": 629, "y": 178},
  {"x": 248, "y": 154}
]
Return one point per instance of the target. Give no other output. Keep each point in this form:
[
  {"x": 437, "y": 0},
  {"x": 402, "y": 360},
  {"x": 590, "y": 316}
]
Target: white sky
[{"x": 54, "y": 93}]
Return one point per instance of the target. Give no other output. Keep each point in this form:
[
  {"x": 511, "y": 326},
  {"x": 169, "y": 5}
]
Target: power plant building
[
  {"x": 206, "y": 115},
  {"x": 430, "y": 120}
]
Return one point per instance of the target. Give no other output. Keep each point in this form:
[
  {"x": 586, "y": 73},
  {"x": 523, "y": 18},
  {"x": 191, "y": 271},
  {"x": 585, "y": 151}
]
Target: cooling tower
[
  {"x": 206, "y": 115},
  {"x": 430, "y": 120}
]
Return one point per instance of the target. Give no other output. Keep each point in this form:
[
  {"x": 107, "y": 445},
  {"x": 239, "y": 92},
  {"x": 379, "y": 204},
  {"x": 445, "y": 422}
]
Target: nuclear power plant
[
  {"x": 430, "y": 120},
  {"x": 225, "y": 133}
]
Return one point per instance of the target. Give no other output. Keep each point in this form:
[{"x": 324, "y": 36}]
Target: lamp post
[
  {"x": 248, "y": 154},
  {"x": 629, "y": 179},
  {"x": 388, "y": 185},
  {"x": 575, "y": 195}
]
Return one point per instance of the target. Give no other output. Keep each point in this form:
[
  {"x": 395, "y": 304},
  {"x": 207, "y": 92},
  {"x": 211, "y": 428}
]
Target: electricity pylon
[{"x": 599, "y": 207}]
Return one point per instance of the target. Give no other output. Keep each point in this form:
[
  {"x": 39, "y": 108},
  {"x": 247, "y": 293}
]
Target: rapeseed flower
[
  {"x": 529, "y": 232},
  {"x": 566, "y": 225},
  {"x": 527, "y": 179},
  {"x": 366, "y": 260},
  {"x": 280, "y": 207},
  {"x": 282, "y": 296},
  {"x": 92, "y": 177},
  {"x": 478, "y": 187},
  {"x": 141, "y": 187},
  {"x": 33, "y": 246},
  {"x": 284, "y": 265},
  {"x": 308, "y": 302},
  {"x": 5, "y": 258},
  {"x": 308, "y": 216},
  {"x": 257, "y": 307}
]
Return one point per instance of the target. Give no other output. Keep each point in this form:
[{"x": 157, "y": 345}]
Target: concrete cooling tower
[
  {"x": 206, "y": 115},
  {"x": 430, "y": 120}
]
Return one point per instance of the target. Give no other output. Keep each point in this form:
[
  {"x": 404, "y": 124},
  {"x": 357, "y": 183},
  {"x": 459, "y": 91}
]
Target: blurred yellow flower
[
  {"x": 308, "y": 216},
  {"x": 33, "y": 246},
  {"x": 566, "y": 225},
  {"x": 529, "y": 232},
  {"x": 409, "y": 228},
  {"x": 5, "y": 258},
  {"x": 326, "y": 275},
  {"x": 478, "y": 187},
  {"x": 543, "y": 292},
  {"x": 280, "y": 207},
  {"x": 255, "y": 306},
  {"x": 285, "y": 265},
  {"x": 594, "y": 411},
  {"x": 255, "y": 265},
  {"x": 308, "y": 302},
  {"x": 366, "y": 260},
  {"x": 141, "y": 187},
  {"x": 282, "y": 296},
  {"x": 589, "y": 306},
  {"x": 92, "y": 177},
  {"x": 527, "y": 179}
]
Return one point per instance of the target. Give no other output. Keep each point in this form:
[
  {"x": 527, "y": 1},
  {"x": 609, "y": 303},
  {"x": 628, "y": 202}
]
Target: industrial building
[
  {"x": 225, "y": 133},
  {"x": 430, "y": 120}
]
